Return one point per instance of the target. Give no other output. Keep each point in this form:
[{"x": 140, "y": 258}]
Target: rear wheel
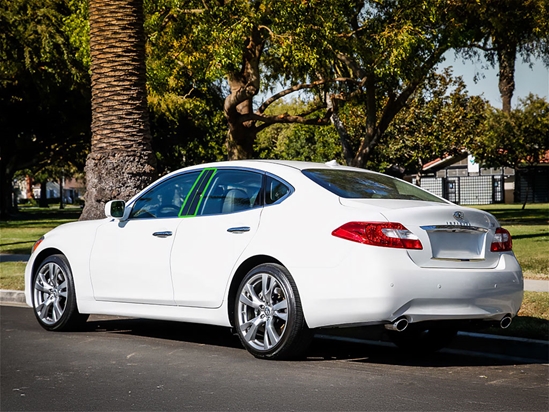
[
  {"x": 268, "y": 316},
  {"x": 421, "y": 340},
  {"x": 53, "y": 296}
]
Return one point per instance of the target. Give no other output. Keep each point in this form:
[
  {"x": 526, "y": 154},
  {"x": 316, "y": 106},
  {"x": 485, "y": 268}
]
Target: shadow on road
[{"x": 321, "y": 349}]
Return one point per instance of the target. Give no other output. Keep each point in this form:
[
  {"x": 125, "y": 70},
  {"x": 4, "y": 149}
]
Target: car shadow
[{"x": 323, "y": 347}]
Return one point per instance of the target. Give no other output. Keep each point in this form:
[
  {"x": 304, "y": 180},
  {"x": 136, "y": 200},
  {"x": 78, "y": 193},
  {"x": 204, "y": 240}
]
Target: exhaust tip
[
  {"x": 400, "y": 325},
  {"x": 505, "y": 322}
]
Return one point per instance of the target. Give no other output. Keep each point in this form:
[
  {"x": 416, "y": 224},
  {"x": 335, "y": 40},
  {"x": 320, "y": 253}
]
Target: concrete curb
[
  {"x": 15, "y": 296},
  {"x": 535, "y": 285}
]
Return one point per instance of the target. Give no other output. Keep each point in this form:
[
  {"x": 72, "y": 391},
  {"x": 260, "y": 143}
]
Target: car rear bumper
[{"x": 357, "y": 293}]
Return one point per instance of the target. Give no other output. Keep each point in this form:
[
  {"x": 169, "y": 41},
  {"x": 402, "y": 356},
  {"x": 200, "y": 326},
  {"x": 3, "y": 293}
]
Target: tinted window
[
  {"x": 366, "y": 185},
  {"x": 275, "y": 190},
  {"x": 164, "y": 199},
  {"x": 231, "y": 191}
]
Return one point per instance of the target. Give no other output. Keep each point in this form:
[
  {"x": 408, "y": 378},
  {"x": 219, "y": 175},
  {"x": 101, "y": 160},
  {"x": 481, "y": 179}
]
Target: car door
[
  {"x": 209, "y": 242},
  {"x": 130, "y": 260}
]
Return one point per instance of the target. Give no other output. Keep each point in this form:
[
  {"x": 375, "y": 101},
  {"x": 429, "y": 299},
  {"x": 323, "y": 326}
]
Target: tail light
[
  {"x": 385, "y": 234},
  {"x": 502, "y": 241}
]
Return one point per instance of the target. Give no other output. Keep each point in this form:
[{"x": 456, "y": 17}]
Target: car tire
[
  {"x": 268, "y": 316},
  {"x": 53, "y": 295},
  {"x": 420, "y": 340}
]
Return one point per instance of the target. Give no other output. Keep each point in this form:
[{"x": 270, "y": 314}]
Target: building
[{"x": 460, "y": 180}]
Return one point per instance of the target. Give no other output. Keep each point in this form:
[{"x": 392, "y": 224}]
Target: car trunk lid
[{"x": 452, "y": 236}]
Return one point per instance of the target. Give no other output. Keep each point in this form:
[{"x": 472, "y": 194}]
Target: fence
[{"x": 467, "y": 190}]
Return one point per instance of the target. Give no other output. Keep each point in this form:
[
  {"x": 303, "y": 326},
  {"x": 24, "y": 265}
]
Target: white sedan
[{"x": 276, "y": 249}]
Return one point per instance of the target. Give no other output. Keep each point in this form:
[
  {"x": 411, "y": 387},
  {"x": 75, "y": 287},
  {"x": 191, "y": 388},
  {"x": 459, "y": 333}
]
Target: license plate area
[{"x": 451, "y": 243}]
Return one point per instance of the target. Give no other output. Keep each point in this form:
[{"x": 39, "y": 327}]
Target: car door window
[
  {"x": 166, "y": 199},
  {"x": 232, "y": 191}
]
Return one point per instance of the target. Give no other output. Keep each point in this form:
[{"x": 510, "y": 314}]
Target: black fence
[
  {"x": 467, "y": 190},
  {"x": 532, "y": 185}
]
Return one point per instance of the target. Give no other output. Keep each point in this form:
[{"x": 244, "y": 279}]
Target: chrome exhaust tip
[
  {"x": 505, "y": 322},
  {"x": 399, "y": 325}
]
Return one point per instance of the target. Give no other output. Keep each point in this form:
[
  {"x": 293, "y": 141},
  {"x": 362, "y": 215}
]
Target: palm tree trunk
[{"x": 121, "y": 161}]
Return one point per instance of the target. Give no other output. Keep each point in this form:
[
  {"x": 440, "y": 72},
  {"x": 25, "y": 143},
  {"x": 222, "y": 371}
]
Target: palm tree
[{"x": 121, "y": 161}]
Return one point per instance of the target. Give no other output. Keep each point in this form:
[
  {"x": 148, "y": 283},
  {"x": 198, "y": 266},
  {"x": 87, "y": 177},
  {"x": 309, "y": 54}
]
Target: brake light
[
  {"x": 502, "y": 241},
  {"x": 385, "y": 234}
]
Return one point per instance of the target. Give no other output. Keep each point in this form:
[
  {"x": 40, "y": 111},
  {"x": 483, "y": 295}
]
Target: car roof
[{"x": 267, "y": 164}]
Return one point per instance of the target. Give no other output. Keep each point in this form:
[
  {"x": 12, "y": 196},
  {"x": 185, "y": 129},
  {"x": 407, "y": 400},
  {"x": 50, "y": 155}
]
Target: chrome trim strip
[{"x": 454, "y": 228}]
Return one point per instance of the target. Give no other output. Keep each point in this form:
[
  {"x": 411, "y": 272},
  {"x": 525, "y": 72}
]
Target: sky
[{"x": 527, "y": 80}]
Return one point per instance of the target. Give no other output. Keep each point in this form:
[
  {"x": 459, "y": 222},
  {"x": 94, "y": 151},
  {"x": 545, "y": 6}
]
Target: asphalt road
[{"x": 128, "y": 364}]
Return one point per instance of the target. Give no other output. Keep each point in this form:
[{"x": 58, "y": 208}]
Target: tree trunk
[
  {"x": 61, "y": 189},
  {"x": 6, "y": 190},
  {"x": 244, "y": 86},
  {"x": 7, "y": 170},
  {"x": 506, "y": 82},
  {"x": 121, "y": 161},
  {"x": 241, "y": 135},
  {"x": 43, "y": 201}
]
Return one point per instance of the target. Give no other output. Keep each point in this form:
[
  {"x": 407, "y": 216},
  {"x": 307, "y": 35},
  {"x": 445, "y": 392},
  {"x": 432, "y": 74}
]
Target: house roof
[{"x": 441, "y": 163}]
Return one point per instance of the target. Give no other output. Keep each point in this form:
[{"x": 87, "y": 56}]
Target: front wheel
[
  {"x": 53, "y": 296},
  {"x": 269, "y": 319}
]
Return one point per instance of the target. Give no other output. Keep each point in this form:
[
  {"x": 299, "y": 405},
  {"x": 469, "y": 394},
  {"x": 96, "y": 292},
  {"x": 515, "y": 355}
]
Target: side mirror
[{"x": 116, "y": 209}]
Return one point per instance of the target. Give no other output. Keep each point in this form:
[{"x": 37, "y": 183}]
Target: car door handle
[
  {"x": 240, "y": 229},
  {"x": 165, "y": 233}
]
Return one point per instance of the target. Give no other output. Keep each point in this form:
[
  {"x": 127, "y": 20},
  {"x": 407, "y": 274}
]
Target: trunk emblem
[{"x": 459, "y": 215}]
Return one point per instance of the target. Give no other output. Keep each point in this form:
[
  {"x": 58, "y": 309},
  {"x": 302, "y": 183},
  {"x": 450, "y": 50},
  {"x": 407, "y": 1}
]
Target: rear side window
[
  {"x": 353, "y": 184},
  {"x": 275, "y": 190}
]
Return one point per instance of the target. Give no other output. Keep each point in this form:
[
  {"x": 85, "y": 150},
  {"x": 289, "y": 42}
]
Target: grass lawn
[
  {"x": 12, "y": 275},
  {"x": 18, "y": 235},
  {"x": 530, "y": 231},
  {"x": 532, "y": 321}
]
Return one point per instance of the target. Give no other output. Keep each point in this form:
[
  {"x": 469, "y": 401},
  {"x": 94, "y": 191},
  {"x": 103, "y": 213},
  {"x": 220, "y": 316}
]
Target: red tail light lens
[
  {"x": 502, "y": 241},
  {"x": 385, "y": 234}
]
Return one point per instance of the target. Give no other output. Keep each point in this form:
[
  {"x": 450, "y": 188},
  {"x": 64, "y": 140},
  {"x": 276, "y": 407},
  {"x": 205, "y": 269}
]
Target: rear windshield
[{"x": 353, "y": 184}]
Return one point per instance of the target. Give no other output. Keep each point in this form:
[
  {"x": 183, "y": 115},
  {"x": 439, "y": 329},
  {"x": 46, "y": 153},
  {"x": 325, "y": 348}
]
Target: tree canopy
[
  {"x": 505, "y": 30},
  {"x": 516, "y": 139},
  {"x": 44, "y": 89},
  {"x": 224, "y": 76}
]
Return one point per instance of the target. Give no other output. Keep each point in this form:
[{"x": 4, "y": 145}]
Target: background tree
[
  {"x": 121, "y": 161},
  {"x": 186, "y": 109},
  {"x": 44, "y": 90},
  {"x": 519, "y": 139},
  {"x": 440, "y": 120},
  {"x": 240, "y": 44},
  {"x": 377, "y": 51},
  {"x": 297, "y": 141},
  {"x": 506, "y": 29}
]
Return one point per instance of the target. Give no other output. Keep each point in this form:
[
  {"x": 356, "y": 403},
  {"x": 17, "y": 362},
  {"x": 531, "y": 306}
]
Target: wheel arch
[
  {"x": 44, "y": 254},
  {"x": 242, "y": 270}
]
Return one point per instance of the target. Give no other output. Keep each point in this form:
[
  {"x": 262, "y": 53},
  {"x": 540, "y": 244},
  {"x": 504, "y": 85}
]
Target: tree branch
[
  {"x": 298, "y": 87},
  {"x": 283, "y": 119}
]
